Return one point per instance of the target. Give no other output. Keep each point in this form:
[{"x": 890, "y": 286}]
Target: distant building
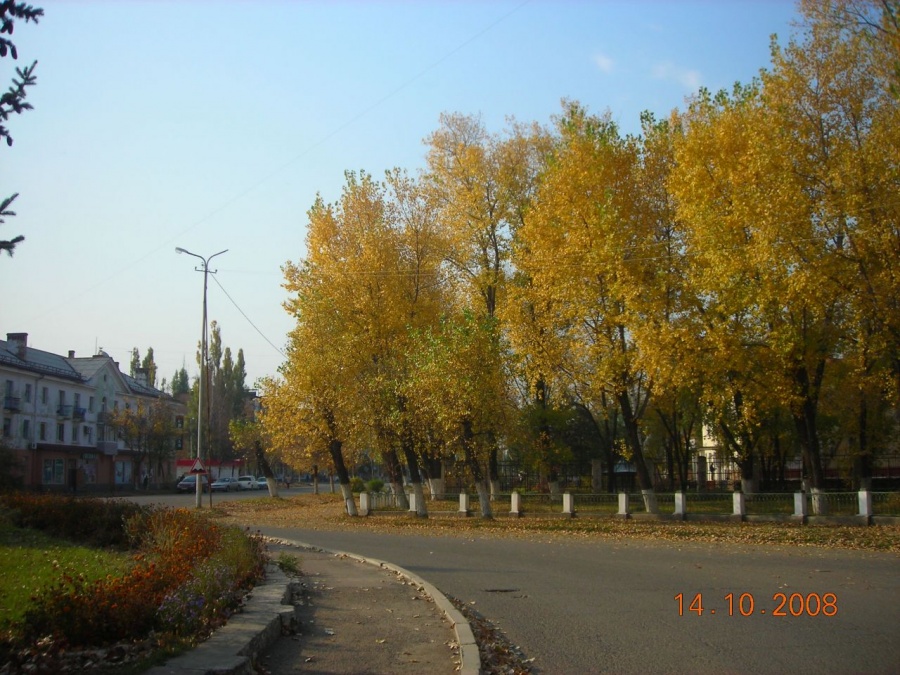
[{"x": 56, "y": 418}]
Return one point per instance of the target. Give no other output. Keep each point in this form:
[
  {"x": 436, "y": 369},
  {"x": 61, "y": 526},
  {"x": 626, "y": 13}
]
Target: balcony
[
  {"x": 79, "y": 413},
  {"x": 12, "y": 403},
  {"x": 64, "y": 411},
  {"x": 102, "y": 418}
]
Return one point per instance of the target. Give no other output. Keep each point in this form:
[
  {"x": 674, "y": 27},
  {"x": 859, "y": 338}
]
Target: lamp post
[{"x": 203, "y": 349}]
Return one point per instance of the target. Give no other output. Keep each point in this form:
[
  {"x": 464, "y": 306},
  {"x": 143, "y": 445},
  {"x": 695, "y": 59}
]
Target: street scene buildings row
[{"x": 57, "y": 420}]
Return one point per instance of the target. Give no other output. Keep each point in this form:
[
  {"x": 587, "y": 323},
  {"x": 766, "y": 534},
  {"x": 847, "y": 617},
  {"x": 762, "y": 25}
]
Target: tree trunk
[
  {"x": 415, "y": 477},
  {"x": 436, "y": 487},
  {"x": 804, "y": 416},
  {"x": 484, "y": 498},
  {"x": 263, "y": 463},
  {"x": 315, "y": 479},
  {"x": 482, "y": 485},
  {"x": 862, "y": 462},
  {"x": 633, "y": 440},
  {"x": 395, "y": 477},
  {"x": 337, "y": 457},
  {"x": 433, "y": 468}
]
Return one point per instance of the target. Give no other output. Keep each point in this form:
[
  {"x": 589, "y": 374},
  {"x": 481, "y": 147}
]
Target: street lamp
[{"x": 203, "y": 350}]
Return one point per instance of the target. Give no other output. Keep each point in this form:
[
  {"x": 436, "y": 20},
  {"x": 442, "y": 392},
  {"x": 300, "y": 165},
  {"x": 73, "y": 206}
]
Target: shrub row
[{"x": 92, "y": 522}]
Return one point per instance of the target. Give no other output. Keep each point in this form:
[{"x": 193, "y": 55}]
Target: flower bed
[{"x": 187, "y": 577}]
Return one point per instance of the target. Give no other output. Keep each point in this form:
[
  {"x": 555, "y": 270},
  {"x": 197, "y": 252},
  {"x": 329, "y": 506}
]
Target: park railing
[{"x": 864, "y": 506}]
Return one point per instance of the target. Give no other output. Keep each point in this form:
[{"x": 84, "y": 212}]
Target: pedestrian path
[{"x": 355, "y": 617}]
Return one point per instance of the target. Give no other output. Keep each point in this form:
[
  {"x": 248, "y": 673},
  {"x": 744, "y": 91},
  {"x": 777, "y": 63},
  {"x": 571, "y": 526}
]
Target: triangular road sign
[{"x": 197, "y": 466}]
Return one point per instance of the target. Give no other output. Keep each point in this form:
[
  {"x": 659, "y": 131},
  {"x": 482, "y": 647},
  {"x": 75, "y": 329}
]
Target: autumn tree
[
  {"x": 148, "y": 430},
  {"x": 13, "y": 102},
  {"x": 789, "y": 177},
  {"x": 250, "y": 436},
  {"x": 482, "y": 184},
  {"x": 459, "y": 384},
  {"x": 581, "y": 252}
]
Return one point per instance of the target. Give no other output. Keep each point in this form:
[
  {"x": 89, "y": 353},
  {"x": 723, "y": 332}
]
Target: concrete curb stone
[{"x": 233, "y": 649}]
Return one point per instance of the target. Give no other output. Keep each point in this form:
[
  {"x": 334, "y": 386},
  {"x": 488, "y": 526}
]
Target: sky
[{"x": 213, "y": 124}]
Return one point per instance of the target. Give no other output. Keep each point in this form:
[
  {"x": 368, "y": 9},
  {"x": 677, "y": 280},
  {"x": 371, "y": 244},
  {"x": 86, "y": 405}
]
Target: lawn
[
  {"x": 31, "y": 560},
  {"x": 112, "y": 583}
]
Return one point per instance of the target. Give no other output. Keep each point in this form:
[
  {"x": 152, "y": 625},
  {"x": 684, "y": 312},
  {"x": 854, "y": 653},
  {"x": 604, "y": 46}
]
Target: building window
[
  {"x": 42, "y": 430},
  {"x": 91, "y": 404},
  {"x": 62, "y": 397},
  {"x": 123, "y": 472},
  {"x": 77, "y": 402},
  {"x": 45, "y": 395},
  {"x": 26, "y": 429},
  {"x": 179, "y": 422},
  {"x": 9, "y": 387},
  {"x": 28, "y": 393},
  {"x": 53, "y": 471},
  {"x": 88, "y": 434},
  {"x": 61, "y": 432},
  {"x": 7, "y": 427},
  {"x": 74, "y": 433}
]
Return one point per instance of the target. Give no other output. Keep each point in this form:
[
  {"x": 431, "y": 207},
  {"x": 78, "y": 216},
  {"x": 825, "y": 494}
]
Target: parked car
[
  {"x": 261, "y": 483},
  {"x": 189, "y": 483},
  {"x": 247, "y": 483},
  {"x": 225, "y": 484}
]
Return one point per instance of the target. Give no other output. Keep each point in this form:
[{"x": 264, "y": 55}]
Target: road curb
[
  {"x": 470, "y": 658},
  {"x": 233, "y": 648}
]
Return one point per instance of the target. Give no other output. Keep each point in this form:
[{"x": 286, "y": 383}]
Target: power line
[{"x": 244, "y": 314}]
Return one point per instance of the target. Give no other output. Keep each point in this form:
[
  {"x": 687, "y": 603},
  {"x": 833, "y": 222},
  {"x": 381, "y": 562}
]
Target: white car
[
  {"x": 247, "y": 483},
  {"x": 262, "y": 483}
]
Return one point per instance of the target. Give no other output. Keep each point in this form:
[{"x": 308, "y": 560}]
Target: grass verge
[{"x": 326, "y": 512}]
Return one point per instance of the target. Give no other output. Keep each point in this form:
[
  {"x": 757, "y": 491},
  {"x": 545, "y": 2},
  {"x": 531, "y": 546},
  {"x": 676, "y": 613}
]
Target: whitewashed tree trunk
[
  {"x": 400, "y": 494},
  {"x": 436, "y": 487},
  {"x": 421, "y": 509},
  {"x": 484, "y": 498},
  {"x": 819, "y": 502},
  {"x": 495, "y": 489},
  {"x": 650, "y": 505},
  {"x": 349, "y": 501},
  {"x": 272, "y": 485}
]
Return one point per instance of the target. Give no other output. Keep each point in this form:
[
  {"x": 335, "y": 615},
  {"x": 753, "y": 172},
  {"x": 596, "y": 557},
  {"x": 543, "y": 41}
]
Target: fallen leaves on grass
[{"x": 326, "y": 512}]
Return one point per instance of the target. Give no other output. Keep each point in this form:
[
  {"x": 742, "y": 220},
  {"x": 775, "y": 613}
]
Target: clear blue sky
[{"x": 212, "y": 125}]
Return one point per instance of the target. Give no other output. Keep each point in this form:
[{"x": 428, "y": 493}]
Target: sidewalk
[
  {"x": 344, "y": 615},
  {"x": 356, "y": 617}
]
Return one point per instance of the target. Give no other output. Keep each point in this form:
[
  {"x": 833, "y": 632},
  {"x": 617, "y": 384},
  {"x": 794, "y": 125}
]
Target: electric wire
[{"x": 244, "y": 314}]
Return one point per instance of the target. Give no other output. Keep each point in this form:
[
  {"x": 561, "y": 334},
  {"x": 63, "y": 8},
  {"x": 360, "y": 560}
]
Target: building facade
[{"x": 59, "y": 420}]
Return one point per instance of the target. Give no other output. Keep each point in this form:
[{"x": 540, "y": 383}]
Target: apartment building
[{"x": 57, "y": 413}]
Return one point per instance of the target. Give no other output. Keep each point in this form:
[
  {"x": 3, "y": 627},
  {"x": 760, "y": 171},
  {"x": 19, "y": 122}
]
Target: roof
[
  {"x": 76, "y": 369},
  {"x": 38, "y": 361}
]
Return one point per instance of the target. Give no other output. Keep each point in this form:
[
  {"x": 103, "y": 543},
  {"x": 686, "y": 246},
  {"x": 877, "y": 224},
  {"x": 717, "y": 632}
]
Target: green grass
[{"x": 31, "y": 560}]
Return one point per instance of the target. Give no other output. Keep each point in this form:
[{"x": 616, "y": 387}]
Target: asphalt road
[{"x": 579, "y": 606}]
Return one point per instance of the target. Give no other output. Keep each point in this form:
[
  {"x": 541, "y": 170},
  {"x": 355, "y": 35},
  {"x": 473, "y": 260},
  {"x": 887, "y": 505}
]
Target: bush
[
  {"x": 188, "y": 576},
  {"x": 375, "y": 485},
  {"x": 357, "y": 485},
  {"x": 94, "y": 522}
]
